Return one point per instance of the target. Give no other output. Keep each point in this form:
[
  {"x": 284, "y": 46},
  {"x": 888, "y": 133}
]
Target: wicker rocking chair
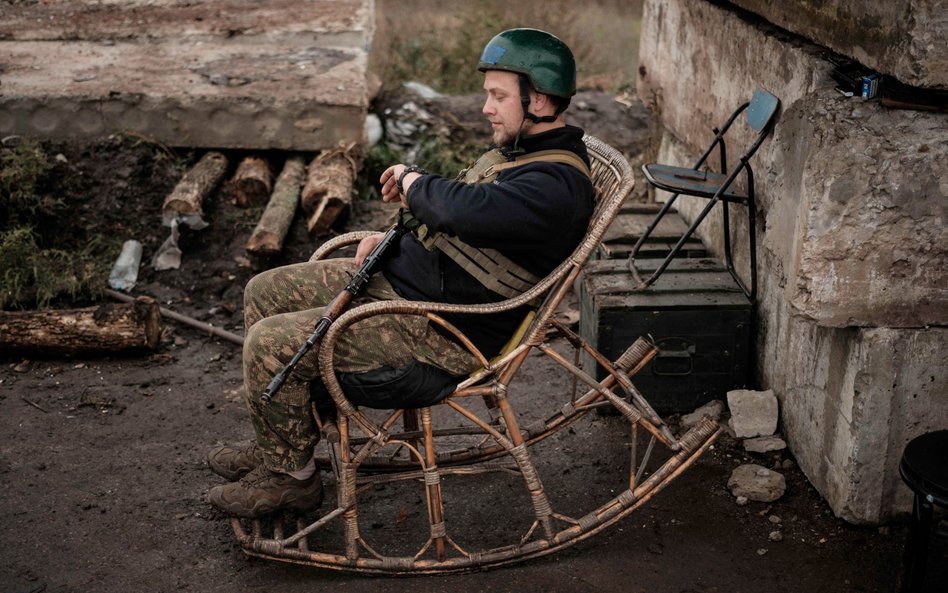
[{"x": 477, "y": 431}]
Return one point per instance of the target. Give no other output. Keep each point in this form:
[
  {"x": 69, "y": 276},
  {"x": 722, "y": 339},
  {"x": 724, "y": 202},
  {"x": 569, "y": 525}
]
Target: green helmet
[{"x": 545, "y": 60}]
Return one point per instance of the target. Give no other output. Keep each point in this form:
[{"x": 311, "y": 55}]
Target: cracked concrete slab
[{"x": 274, "y": 75}]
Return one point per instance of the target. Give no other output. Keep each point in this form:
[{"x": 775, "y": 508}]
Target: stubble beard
[{"x": 502, "y": 138}]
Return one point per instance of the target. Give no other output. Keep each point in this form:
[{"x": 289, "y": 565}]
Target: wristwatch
[{"x": 401, "y": 178}]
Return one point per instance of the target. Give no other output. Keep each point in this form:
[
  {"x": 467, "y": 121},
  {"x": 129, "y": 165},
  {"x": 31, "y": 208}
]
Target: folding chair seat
[
  {"x": 716, "y": 187},
  {"x": 479, "y": 430}
]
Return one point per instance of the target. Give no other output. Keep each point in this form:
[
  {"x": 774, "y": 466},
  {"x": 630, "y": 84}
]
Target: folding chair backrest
[{"x": 762, "y": 109}]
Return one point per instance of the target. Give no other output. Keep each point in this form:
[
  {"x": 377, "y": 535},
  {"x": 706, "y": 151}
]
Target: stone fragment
[
  {"x": 713, "y": 410},
  {"x": 775, "y": 536},
  {"x": 757, "y": 483},
  {"x": 753, "y": 413},
  {"x": 741, "y": 501},
  {"x": 764, "y": 444}
]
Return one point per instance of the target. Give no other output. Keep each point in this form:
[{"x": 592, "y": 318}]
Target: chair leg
[
  {"x": 684, "y": 238},
  {"x": 916, "y": 547},
  {"x": 651, "y": 227},
  {"x": 433, "y": 484},
  {"x": 752, "y": 235},
  {"x": 726, "y": 226}
]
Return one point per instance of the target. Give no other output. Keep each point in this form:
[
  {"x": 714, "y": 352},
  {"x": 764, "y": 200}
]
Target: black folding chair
[{"x": 718, "y": 187}]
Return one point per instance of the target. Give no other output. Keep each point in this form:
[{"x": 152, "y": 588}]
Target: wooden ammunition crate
[
  {"x": 632, "y": 221},
  {"x": 695, "y": 313}
]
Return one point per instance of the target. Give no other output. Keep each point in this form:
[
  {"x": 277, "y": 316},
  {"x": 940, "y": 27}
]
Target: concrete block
[
  {"x": 850, "y": 400},
  {"x": 197, "y": 82},
  {"x": 863, "y": 239},
  {"x": 903, "y": 39},
  {"x": 753, "y": 413},
  {"x": 325, "y": 23}
]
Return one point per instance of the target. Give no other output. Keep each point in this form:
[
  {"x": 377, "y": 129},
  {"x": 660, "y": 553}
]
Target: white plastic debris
[{"x": 124, "y": 272}]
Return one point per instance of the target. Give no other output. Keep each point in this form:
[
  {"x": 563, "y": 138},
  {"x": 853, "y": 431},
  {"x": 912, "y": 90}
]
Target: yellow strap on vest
[{"x": 548, "y": 156}]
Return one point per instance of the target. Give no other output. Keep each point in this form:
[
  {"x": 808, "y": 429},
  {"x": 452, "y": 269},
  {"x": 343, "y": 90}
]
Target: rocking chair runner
[{"x": 364, "y": 452}]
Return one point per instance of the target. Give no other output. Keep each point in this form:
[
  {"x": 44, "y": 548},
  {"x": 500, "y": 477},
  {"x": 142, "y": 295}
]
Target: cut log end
[{"x": 252, "y": 182}]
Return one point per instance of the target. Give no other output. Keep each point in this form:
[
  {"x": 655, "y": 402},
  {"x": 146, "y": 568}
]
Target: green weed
[{"x": 37, "y": 267}]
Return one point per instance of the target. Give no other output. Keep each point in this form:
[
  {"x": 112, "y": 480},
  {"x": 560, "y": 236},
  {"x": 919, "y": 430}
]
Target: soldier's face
[{"x": 502, "y": 105}]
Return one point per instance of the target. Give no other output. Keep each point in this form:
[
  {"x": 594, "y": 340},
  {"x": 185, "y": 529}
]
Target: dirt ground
[{"x": 102, "y": 460}]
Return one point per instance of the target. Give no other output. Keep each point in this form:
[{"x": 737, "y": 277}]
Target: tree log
[
  {"x": 252, "y": 182},
  {"x": 110, "y": 327},
  {"x": 267, "y": 238},
  {"x": 188, "y": 195},
  {"x": 328, "y": 190}
]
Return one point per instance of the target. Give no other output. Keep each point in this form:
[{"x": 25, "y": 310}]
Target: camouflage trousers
[{"x": 281, "y": 308}]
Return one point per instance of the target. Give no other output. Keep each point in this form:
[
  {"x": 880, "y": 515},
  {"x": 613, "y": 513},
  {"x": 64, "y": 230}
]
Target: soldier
[{"x": 526, "y": 203}]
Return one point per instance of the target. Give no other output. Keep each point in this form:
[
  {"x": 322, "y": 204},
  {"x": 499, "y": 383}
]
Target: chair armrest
[{"x": 339, "y": 242}]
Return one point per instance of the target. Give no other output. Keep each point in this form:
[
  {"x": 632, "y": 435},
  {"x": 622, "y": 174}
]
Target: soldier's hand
[
  {"x": 366, "y": 246},
  {"x": 389, "y": 181}
]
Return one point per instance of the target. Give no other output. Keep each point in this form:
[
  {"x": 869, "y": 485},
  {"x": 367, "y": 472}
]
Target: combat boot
[
  {"x": 262, "y": 492},
  {"x": 234, "y": 463}
]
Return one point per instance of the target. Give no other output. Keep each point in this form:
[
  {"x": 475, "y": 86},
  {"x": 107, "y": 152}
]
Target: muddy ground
[{"x": 102, "y": 460}]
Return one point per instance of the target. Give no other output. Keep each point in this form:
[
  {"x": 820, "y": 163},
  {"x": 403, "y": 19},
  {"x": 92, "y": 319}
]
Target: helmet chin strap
[{"x": 525, "y": 105}]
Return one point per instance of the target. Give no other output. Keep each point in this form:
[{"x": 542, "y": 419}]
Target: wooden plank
[
  {"x": 628, "y": 228},
  {"x": 621, "y": 250}
]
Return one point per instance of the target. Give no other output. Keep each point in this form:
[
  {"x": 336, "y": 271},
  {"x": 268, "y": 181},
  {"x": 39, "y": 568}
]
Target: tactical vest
[{"x": 488, "y": 266}]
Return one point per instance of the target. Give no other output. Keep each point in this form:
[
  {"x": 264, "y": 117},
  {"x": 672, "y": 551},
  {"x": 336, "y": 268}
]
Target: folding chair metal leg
[{"x": 681, "y": 242}]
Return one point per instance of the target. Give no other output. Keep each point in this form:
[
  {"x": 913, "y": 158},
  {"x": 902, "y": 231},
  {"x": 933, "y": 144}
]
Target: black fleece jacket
[{"x": 535, "y": 215}]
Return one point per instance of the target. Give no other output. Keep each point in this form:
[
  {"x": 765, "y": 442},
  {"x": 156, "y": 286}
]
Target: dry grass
[{"x": 438, "y": 42}]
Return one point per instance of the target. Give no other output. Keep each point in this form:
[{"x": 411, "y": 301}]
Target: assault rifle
[{"x": 338, "y": 305}]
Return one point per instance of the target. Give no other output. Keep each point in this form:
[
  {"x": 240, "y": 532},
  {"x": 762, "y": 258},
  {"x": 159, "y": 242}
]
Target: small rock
[
  {"x": 757, "y": 483},
  {"x": 753, "y": 413},
  {"x": 764, "y": 444},
  {"x": 22, "y": 366},
  {"x": 742, "y": 500},
  {"x": 761, "y": 551},
  {"x": 775, "y": 536},
  {"x": 774, "y": 519},
  {"x": 787, "y": 464},
  {"x": 713, "y": 410},
  {"x": 60, "y": 158},
  {"x": 180, "y": 342}
]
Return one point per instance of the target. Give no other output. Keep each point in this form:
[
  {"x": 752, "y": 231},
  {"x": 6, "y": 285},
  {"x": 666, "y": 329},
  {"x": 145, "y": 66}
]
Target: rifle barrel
[{"x": 353, "y": 288}]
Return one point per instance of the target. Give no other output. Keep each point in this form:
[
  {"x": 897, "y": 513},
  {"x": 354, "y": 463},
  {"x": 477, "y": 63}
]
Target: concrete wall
[
  {"x": 902, "y": 39},
  {"x": 852, "y": 204}
]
